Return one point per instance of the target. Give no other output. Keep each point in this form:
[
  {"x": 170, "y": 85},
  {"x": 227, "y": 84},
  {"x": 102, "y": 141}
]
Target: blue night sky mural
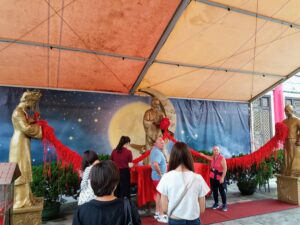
[{"x": 95, "y": 121}]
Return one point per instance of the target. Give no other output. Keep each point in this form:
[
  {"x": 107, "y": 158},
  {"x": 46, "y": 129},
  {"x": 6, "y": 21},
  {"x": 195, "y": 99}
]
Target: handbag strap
[
  {"x": 127, "y": 208},
  {"x": 186, "y": 188}
]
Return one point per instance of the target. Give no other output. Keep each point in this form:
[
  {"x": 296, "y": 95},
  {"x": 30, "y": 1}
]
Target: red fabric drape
[{"x": 142, "y": 177}]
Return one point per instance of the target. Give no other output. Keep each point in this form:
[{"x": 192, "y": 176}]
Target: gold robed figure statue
[
  {"x": 151, "y": 122},
  {"x": 25, "y": 128},
  {"x": 292, "y": 143}
]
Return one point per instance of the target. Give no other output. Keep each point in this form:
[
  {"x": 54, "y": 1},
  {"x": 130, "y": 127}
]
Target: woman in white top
[
  {"x": 89, "y": 158},
  {"x": 182, "y": 191}
]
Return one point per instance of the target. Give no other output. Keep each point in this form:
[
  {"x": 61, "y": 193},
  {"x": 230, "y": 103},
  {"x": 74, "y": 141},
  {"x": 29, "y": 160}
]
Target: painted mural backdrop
[{"x": 96, "y": 121}]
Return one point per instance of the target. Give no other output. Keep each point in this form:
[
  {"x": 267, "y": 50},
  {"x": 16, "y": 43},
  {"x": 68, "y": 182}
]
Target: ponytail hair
[{"x": 123, "y": 140}]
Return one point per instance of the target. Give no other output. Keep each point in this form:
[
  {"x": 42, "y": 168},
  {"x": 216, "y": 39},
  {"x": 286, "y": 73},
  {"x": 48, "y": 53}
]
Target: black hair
[
  {"x": 88, "y": 158},
  {"x": 123, "y": 140},
  {"x": 180, "y": 154},
  {"x": 105, "y": 176}
]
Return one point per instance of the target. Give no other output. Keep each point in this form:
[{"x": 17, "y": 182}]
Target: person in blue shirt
[{"x": 159, "y": 167}]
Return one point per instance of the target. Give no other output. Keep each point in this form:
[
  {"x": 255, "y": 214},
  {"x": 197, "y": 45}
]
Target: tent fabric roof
[
  {"x": 220, "y": 50},
  {"x": 32, "y": 29}
]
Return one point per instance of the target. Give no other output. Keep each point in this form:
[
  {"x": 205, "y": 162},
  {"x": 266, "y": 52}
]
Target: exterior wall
[{"x": 261, "y": 131}]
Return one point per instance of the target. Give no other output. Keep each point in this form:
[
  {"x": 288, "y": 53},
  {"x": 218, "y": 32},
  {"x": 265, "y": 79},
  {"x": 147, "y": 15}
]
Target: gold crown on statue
[{"x": 34, "y": 95}]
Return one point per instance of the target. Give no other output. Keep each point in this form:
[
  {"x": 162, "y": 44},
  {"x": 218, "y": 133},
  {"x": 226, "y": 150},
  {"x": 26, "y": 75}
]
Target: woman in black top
[{"x": 106, "y": 209}]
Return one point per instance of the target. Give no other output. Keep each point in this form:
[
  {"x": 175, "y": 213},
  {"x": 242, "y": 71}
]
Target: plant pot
[
  {"x": 247, "y": 187},
  {"x": 51, "y": 211}
]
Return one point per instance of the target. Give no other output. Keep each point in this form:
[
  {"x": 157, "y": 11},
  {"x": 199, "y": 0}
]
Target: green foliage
[
  {"x": 243, "y": 174},
  {"x": 103, "y": 157},
  {"x": 264, "y": 172},
  {"x": 53, "y": 182},
  {"x": 278, "y": 162},
  {"x": 38, "y": 184},
  {"x": 246, "y": 178},
  {"x": 196, "y": 159}
]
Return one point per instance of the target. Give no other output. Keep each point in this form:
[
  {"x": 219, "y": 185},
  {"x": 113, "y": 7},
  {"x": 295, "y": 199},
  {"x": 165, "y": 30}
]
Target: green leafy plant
[
  {"x": 246, "y": 179},
  {"x": 103, "y": 157},
  {"x": 264, "y": 173},
  {"x": 200, "y": 160},
  {"x": 53, "y": 182},
  {"x": 278, "y": 162}
]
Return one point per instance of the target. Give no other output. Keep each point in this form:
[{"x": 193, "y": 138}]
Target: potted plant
[
  {"x": 247, "y": 180},
  {"x": 268, "y": 168},
  {"x": 51, "y": 183}
]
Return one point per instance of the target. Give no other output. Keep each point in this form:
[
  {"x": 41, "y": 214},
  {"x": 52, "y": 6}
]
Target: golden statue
[
  {"x": 25, "y": 128},
  {"x": 151, "y": 122},
  {"x": 292, "y": 143}
]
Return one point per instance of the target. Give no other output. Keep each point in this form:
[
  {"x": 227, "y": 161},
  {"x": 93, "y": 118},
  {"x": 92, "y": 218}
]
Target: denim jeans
[{"x": 184, "y": 222}]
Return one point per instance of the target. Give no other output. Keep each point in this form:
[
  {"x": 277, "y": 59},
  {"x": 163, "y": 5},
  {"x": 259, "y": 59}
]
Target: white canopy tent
[{"x": 233, "y": 50}]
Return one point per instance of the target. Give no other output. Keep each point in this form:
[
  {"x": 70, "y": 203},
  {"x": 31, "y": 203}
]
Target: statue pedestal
[
  {"x": 288, "y": 189},
  {"x": 29, "y": 215}
]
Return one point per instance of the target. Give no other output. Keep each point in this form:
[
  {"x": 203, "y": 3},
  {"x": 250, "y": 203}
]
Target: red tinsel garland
[
  {"x": 64, "y": 154},
  {"x": 67, "y": 155},
  {"x": 245, "y": 161},
  {"x": 264, "y": 152}
]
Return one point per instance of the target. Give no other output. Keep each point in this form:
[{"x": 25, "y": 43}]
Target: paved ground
[{"x": 287, "y": 217}]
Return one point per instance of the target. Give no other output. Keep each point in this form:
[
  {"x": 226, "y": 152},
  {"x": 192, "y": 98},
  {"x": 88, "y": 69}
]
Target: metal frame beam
[
  {"x": 219, "y": 69},
  {"x": 249, "y": 13},
  {"x": 59, "y": 47},
  {"x": 51, "y": 46},
  {"x": 294, "y": 72},
  {"x": 163, "y": 38}
]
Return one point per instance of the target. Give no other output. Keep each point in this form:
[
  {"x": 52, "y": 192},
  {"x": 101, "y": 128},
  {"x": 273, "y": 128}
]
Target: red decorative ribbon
[{"x": 67, "y": 155}]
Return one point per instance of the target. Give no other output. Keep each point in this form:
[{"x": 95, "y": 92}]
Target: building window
[{"x": 261, "y": 121}]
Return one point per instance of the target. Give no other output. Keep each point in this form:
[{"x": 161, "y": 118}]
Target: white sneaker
[
  {"x": 162, "y": 219},
  {"x": 156, "y": 215}
]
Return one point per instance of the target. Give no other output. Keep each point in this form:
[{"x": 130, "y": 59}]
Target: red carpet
[{"x": 236, "y": 211}]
